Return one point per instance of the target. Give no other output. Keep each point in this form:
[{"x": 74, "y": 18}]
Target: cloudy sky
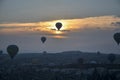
[{"x": 88, "y": 25}]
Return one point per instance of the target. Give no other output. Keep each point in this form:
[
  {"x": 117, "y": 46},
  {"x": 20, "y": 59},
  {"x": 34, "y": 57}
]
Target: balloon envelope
[
  {"x": 12, "y": 50},
  {"x": 58, "y": 25},
  {"x": 43, "y": 39},
  {"x": 117, "y": 38}
]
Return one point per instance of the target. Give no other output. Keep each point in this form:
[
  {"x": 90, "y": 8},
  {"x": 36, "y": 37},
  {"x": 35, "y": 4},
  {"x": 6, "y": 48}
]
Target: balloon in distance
[
  {"x": 116, "y": 37},
  {"x": 43, "y": 39},
  {"x": 58, "y": 25},
  {"x": 12, "y": 50}
]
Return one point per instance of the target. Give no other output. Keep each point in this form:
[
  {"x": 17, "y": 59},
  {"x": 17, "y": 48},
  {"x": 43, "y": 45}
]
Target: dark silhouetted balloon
[
  {"x": 58, "y": 25},
  {"x": 117, "y": 38},
  {"x": 12, "y": 50},
  {"x": 43, "y": 39}
]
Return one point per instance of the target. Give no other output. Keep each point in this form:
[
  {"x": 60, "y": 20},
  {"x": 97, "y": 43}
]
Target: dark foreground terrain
[{"x": 70, "y": 65}]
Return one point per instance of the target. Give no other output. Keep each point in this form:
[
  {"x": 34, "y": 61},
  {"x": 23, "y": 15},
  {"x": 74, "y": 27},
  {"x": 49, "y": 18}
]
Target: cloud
[
  {"x": 88, "y": 34},
  {"x": 116, "y": 24},
  {"x": 69, "y": 25}
]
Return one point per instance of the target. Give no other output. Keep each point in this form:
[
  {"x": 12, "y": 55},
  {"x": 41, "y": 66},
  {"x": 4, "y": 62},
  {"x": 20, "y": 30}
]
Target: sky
[{"x": 88, "y": 25}]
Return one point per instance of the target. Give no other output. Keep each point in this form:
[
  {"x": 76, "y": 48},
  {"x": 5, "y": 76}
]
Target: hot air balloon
[
  {"x": 58, "y": 25},
  {"x": 12, "y": 50},
  {"x": 117, "y": 38},
  {"x": 43, "y": 39}
]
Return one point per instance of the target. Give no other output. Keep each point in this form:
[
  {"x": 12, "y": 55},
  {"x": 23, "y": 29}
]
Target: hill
[{"x": 66, "y": 57}]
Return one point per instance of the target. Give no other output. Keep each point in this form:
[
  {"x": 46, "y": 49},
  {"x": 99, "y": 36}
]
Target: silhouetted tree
[
  {"x": 1, "y": 51},
  {"x": 82, "y": 76},
  {"x": 111, "y": 57},
  {"x": 95, "y": 75},
  {"x": 98, "y": 52},
  {"x": 44, "y": 52},
  {"x": 113, "y": 76},
  {"x": 80, "y": 60},
  {"x": 106, "y": 75}
]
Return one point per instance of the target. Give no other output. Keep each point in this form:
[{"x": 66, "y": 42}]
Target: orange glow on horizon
[{"x": 68, "y": 25}]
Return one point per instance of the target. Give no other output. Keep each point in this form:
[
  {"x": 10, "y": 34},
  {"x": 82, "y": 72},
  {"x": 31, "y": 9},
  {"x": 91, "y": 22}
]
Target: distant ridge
[{"x": 64, "y": 57}]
